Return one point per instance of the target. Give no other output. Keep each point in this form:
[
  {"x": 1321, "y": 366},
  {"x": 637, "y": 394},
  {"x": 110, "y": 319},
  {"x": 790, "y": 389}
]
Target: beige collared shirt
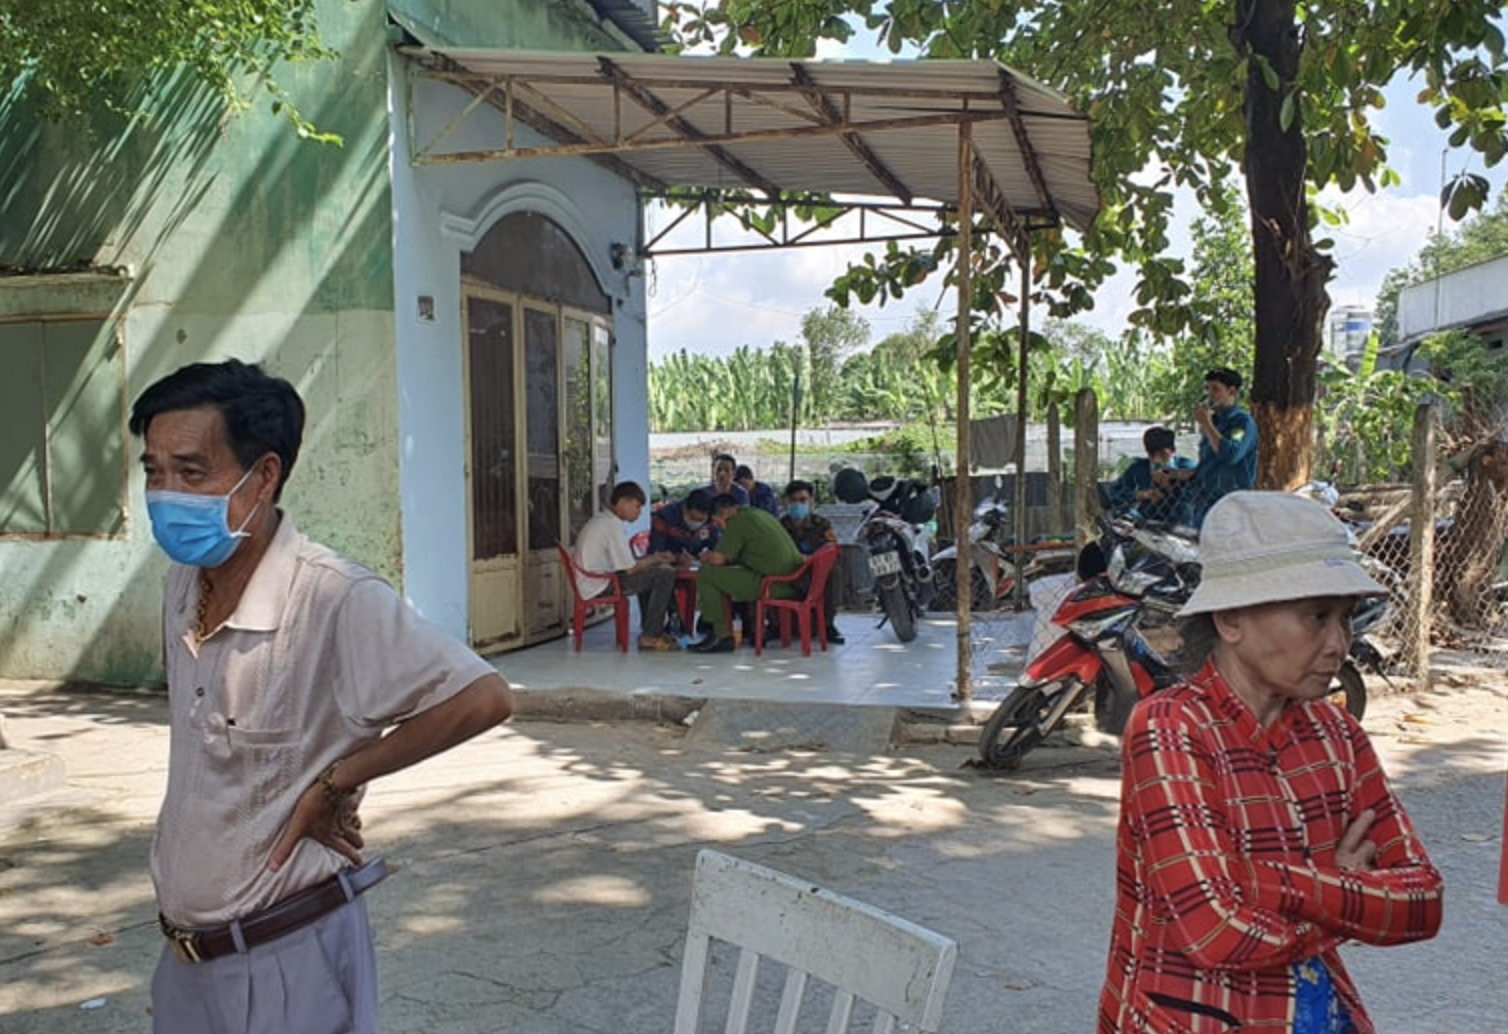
[{"x": 320, "y": 656}]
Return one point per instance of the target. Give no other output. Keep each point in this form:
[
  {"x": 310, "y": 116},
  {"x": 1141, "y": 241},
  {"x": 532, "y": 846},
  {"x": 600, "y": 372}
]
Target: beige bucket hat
[{"x": 1268, "y": 547}]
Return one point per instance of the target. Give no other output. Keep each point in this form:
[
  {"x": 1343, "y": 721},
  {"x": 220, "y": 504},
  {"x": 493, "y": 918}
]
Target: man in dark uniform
[{"x": 811, "y": 531}]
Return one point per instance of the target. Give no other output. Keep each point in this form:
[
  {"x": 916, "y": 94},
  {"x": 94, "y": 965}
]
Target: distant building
[
  {"x": 1346, "y": 332},
  {"x": 1473, "y": 299}
]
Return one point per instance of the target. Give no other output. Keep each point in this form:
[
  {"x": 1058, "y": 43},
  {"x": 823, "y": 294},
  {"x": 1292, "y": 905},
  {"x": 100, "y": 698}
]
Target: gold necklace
[{"x": 201, "y": 633}]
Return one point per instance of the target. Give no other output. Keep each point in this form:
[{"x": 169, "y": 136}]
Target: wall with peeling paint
[{"x": 231, "y": 237}]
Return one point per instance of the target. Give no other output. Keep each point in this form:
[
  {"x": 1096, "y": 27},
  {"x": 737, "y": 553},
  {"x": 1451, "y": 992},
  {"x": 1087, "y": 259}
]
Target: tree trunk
[{"x": 1289, "y": 288}]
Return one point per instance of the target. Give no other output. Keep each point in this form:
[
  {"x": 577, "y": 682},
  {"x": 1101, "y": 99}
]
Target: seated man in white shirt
[{"x": 603, "y": 546}]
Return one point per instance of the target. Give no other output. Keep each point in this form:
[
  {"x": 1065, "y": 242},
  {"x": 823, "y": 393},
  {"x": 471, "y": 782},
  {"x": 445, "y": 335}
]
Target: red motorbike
[{"x": 1104, "y": 652}]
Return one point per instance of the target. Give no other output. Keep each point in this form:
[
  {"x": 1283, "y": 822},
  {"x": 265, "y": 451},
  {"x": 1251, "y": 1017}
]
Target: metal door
[
  {"x": 494, "y": 470},
  {"x": 545, "y": 482}
]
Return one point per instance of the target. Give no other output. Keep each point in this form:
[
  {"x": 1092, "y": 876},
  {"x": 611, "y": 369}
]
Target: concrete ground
[{"x": 545, "y": 867}]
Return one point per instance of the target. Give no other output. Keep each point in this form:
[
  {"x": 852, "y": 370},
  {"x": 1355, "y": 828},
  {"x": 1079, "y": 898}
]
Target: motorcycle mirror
[{"x": 1117, "y": 565}]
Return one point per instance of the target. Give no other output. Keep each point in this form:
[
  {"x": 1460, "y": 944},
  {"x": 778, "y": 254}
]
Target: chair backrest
[
  {"x": 574, "y": 571},
  {"x": 872, "y": 963},
  {"x": 822, "y": 561}
]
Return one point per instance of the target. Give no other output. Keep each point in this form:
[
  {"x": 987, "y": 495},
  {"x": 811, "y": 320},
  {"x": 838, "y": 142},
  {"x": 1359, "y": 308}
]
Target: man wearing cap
[
  {"x": 1257, "y": 828},
  {"x": 1227, "y": 447},
  {"x": 1135, "y": 491},
  {"x": 295, "y": 678}
]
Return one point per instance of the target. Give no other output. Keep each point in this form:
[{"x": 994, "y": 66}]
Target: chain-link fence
[
  {"x": 1439, "y": 548},
  {"x": 1438, "y": 543}
]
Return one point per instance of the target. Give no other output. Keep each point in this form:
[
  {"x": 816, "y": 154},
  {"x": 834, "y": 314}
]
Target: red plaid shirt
[{"x": 1225, "y": 863}]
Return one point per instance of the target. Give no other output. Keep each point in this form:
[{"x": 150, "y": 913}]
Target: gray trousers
[
  {"x": 655, "y": 587},
  {"x": 320, "y": 979}
]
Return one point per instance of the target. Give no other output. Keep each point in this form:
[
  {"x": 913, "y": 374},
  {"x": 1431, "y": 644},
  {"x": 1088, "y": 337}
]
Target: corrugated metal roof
[
  {"x": 887, "y": 129},
  {"x": 636, "y": 23}
]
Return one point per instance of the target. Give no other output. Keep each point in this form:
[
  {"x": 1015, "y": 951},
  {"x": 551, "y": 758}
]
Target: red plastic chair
[
  {"x": 612, "y": 597},
  {"x": 808, "y": 610}
]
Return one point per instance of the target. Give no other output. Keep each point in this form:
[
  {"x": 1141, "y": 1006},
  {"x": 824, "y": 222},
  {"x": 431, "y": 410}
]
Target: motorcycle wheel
[
  {"x": 898, "y": 611},
  {"x": 1016, "y": 726},
  {"x": 945, "y": 588},
  {"x": 1351, "y": 693}
]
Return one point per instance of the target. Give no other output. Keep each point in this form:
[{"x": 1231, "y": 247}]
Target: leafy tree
[
  {"x": 1367, "y": 423},
  {"x": 1189, "y": 95},
  {"x": 77, "y": 54},
  {"x": 830, "y": 334}
]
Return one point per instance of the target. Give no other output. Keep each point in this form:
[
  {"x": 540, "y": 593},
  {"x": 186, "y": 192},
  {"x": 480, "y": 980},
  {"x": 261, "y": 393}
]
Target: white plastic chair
[{"x": 862, "y": 953}]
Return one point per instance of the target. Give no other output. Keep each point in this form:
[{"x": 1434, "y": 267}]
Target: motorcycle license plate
[{"x": 881, "y": 564}]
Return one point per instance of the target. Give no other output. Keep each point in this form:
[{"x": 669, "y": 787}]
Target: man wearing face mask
[
  {"x": 295, "y": 678},
  {"x": 683, "y": 529},
  {"x": 1227, "y": 447},
  {"x": 811, "y": 531}
]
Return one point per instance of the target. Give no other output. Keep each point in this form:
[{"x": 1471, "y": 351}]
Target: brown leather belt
[{"x": 296, "y": 910}]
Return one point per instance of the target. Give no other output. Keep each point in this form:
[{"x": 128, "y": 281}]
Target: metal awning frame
[
  {"x": 878, "y": 222},
  {"x": 826, "y": 113},
  {"x": 821, "y": 113}
]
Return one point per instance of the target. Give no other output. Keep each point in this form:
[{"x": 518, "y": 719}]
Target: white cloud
[
  {"x": 712, "y": 303},
  {"x": 1383, "y": 232}
]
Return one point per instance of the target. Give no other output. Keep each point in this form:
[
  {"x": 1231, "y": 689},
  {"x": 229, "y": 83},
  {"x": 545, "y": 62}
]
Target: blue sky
[{"x": 714, "y": 303}]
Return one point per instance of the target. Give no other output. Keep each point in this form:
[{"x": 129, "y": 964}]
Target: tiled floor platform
[{"x": 871, "y": 669}]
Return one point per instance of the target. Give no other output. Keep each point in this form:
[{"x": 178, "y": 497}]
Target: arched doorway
[{"x": 538, "y": 367}]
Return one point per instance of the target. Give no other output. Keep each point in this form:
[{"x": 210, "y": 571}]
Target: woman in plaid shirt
[{"x": 1258, "y": 831}]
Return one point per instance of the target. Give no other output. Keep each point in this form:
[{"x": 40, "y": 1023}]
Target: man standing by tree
[{"x": 1227, "y": 447}]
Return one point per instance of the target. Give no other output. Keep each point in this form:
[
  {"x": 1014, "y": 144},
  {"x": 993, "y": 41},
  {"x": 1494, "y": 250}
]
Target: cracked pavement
[{"x": 544, "y": 868}]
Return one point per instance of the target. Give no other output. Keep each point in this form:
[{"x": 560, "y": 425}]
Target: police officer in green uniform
[{"x": 752, "y": 546}]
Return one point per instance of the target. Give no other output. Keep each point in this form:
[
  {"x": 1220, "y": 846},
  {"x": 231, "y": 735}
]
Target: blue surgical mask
[
  {"x": 798, "y": 511},
  {"x": 692, "y": 525},
  {"x": 194, "y": 529}
]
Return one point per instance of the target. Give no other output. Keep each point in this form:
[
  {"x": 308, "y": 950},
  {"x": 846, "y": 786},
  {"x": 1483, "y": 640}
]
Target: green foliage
[
  {"x": 1177, "y": 95},
  {"x": 906, "y": 451},
  {"x": 1366, "y": 419},
  {"x": 1472, "y": 380},
  {"x": 1224, "y": 330},
  {"x": 829, "y": 334},
  {"x": 76, "y": 55}
]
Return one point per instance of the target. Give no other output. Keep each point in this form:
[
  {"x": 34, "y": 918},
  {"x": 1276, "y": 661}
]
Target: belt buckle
[{"x": 185, "y": 943}]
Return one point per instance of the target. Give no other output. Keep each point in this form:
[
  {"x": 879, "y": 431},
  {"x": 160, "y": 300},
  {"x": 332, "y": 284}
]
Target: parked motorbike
[
  {"x": 1105, "y": 655},
  {"x": 994, "y": 565},
  {"x": 894, "y": 532},
  {"x": 992, "y": 574}
]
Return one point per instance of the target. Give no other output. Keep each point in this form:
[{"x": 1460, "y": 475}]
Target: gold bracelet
[{"x": 334, "y": 795}]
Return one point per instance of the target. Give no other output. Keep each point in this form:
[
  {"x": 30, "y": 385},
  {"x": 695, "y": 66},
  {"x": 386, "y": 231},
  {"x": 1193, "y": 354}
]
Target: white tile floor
[{"x": 871, "y": 668}]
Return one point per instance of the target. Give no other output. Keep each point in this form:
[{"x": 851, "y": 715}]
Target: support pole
[
  {"x": 963, "y": 502},
  {"x": 1416, "y": 645},
  {"x": 1023, "y": 255},
  {"x": 795, "y": 420}
]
